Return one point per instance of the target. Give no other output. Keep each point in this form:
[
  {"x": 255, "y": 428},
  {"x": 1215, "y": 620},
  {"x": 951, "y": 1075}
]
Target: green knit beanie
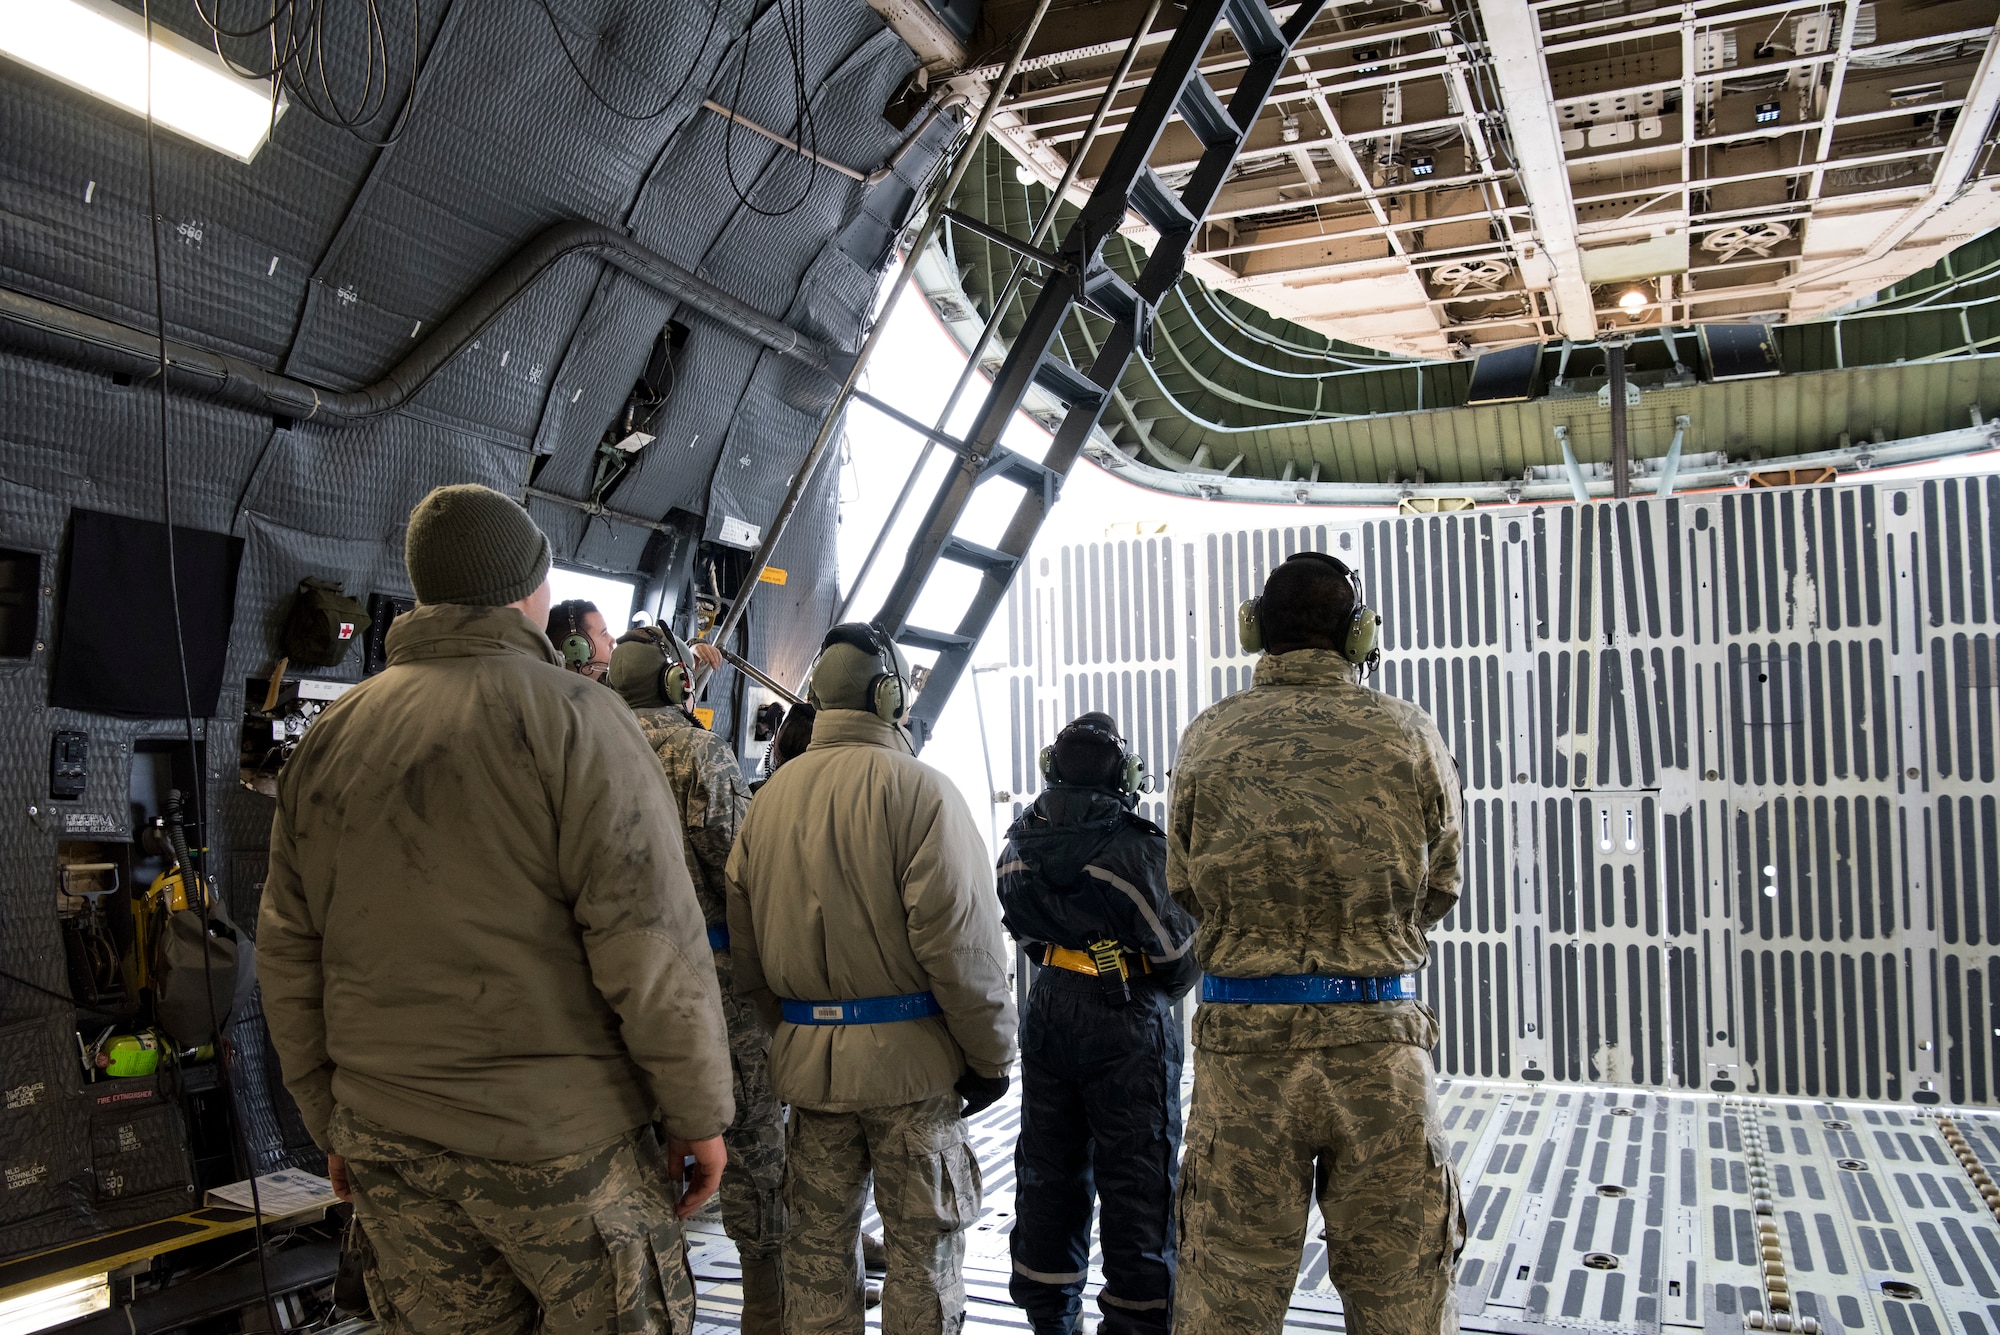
[{"x": 469, "y": 544}]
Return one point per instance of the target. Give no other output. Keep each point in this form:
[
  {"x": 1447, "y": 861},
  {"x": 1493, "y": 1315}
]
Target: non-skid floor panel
[{"x": 1621, "y": 1210}]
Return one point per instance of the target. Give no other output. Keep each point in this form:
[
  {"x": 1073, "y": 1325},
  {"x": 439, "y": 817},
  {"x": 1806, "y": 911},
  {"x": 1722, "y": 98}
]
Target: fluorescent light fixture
[
  {"x": 101, "y": 48},
  {"x": 55, "y": 1306}
]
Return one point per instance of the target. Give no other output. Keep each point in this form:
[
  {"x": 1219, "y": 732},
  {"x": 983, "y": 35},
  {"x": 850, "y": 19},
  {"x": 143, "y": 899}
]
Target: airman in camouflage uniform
[
  {"x": 1313, "y": 830},
  {"x": 928, "y": 1181},
  {"x": 562, "y": 1223},
  {"x": 708, "y": 784}
]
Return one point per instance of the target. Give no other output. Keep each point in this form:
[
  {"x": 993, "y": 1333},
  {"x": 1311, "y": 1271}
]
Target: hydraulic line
[
  {"x": 598, "y": 511},
  {"x": 46, "y": 328},
  {"x": 1153, "y": 374},
  {"x": 752, "y": 671},
  {"x": 1222, "y": 391}
]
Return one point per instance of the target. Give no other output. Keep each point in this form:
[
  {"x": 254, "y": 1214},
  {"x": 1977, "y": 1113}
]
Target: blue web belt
[
  {"x": 718, "y": 938},
  {"x": 867, "y": 1010},
  {"x": 1304, "y": 989}
]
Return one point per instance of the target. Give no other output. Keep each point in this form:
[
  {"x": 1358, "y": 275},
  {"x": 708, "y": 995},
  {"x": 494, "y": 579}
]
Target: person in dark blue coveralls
[{"x": 1083, "y": 888}]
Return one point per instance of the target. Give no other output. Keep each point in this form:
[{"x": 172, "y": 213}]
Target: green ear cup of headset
[
  {"x": 1362, "y": 633},
  {"x": 676, "y": 679},
  {"x": 1358, "y": 646},
  {"x": 1249, "y": 629},
  {"x": 576, "y": 647},
  {"x": 1131, "y": 772},
  {"x": 649, "y": 668},
  {"x": 888, "y": 697}
]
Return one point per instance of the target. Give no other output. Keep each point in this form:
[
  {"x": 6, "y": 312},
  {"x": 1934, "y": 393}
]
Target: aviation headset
[
  {"x": 1131, "y": 778},
  {"x": 676, "y": 681},
  {"x": 889, "y": 689},
  {"x": 577, "y": 650},
  {"x": 1356, "y": 636}
]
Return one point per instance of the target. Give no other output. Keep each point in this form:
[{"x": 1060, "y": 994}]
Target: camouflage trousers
[
  {"x": 467, "y": 1246},
  {"x": 927, "y": 1189},
  {"x": 753, "y": 1182},
  {"x": 1356, "y": 1127}
]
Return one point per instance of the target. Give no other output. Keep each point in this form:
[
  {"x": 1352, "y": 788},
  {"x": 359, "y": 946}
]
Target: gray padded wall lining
[
  {"x": 320, "y": 258},
  {"x": 1649, "y": 704}
]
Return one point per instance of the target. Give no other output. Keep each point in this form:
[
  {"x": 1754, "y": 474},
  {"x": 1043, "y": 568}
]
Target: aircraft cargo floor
[{"x": 1615, "y": 1209}]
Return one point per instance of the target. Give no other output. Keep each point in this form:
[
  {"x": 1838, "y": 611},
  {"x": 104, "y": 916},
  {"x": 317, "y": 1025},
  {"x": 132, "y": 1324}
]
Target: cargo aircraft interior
[{"x": 1640, "y": 357}]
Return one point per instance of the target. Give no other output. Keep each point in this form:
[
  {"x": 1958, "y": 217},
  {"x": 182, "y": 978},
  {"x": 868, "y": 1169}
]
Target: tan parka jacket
[
  {"x": 478, "y": 928},
  {"x": 859, "y": 873}
]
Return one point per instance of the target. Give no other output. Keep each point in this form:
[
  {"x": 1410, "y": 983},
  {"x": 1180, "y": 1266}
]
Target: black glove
[{"x": 980, "y": 1092}]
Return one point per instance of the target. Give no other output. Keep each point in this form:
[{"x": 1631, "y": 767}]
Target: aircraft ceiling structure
[
  {"x": 1434, "y": 181},
  {"x": 1439, "y": 177},
  {"x": 1240, "y": 404}
]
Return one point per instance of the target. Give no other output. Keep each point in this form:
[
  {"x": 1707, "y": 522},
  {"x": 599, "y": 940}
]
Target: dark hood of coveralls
[{"x": 1066, "y": 828}]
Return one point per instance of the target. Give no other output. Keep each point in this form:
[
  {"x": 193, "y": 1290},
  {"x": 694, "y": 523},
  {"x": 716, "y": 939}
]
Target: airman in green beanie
[{"x": 485, "y": 966}]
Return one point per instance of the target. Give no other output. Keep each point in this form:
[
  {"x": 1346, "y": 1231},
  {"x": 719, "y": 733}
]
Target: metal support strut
[
  {"x": 1127, "y": 182},
  {"x": 937, "y": 435},
  {"x": 1621, "y": 449},
  {"x": 830, "y": 428}
]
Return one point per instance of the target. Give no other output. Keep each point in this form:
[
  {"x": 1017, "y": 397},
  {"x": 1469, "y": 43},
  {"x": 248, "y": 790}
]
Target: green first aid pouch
[{"x": 323, "y": 624}]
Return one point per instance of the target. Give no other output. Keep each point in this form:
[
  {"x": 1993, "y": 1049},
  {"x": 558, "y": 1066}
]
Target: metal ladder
[{"x": 1078, "y": 276}]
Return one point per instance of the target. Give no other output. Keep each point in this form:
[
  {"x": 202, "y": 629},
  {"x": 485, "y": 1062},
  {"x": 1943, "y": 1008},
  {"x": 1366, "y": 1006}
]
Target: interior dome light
[
  {"x": 1023, "y": 175},
  {"x": 1633, "y": 302}
]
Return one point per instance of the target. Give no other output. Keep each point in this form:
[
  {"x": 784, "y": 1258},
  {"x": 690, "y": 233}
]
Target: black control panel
[{"x": 69, "y": 764}]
